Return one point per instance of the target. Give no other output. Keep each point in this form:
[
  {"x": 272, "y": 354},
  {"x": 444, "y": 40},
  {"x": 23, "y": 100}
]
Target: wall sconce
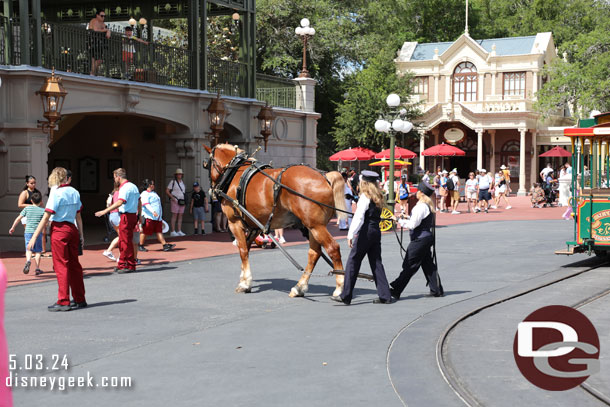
[
  {"x": 116, "y": 147},
  {"x": 52, "y": 95},
  {"x": 265, "y": 119},
  {"x": 217, "y": 114}
]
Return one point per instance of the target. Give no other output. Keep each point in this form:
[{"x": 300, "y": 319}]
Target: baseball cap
[{"x": 195, "y": 184}]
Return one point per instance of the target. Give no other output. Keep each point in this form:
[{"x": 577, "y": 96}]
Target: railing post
[
  {"x": 193, "y": 33},
  {"x": 24, "y": 31},
  {"x": 37, "y": 60},
  {"x": 203, "y": 57}
]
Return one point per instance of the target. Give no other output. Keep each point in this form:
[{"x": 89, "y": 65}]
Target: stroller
[{"x": 551, "y": 193}]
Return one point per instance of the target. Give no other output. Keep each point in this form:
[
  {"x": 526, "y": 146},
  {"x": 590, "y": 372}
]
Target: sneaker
[
  {"x": 78, "y": 305},
  {"x": 39, "y": 271},
  {"x": 57, "y": 307},
  {"x": 109, "y": 255},
  {"x": 282, "y": 240},
  {"x": 138, "y": 262},
  {"x": 181, "y": 233},
  {"x": 455, "y": 213},
  {"x": 508, "y": 207},
  {"x": 174, "y": 234},
  {"x": 486, "y": 211},
  {"x": 493, "y": 207},
  {"x": 235, "y": 242},
  {"x": 168, "y": 246},
  {"x": 26, "y": 268},
  {"x": 142, "y": 248},
  {"x": 477, "y": 210}
]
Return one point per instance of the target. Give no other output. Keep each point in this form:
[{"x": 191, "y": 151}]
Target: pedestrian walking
[
  {"x": 63, "y": 211},
  {"x": 501, "y": 189},
  {"x": 484, "y": 182},
  {"x": 33, "y": 213},
  {"x": 114, "y": 218},
  {"x": 454, "y": 192},
  {"x": 365, "y": 225},
  {"x": 25, "y": 199},
  {"x": 176, "y": 193},
  {"x": 152, "y": 213},
  {"x": 471, "y": 192},
  {"x": 443, "y": 191},
  {"x": 403, "y": 194},
  {"x": 199, "y": 207},
  {"x": 129, "y": 207},
  {"x": 419, "y": 252}
]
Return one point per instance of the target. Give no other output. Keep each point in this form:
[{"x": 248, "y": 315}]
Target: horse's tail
[{"x": 338, "y": 185}]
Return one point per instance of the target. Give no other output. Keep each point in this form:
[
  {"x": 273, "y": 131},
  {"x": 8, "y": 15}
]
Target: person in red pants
[
  {"x": 129, "y": 207},
  {"x": 63, "y": 210}
]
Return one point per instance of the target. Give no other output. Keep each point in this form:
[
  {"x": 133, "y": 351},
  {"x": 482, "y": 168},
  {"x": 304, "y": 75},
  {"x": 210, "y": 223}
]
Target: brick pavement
[{"x": 217, "y": 244}]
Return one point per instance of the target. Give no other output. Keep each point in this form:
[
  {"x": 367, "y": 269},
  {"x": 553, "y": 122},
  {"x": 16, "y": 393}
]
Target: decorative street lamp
[
  {"x": 305, "y": 31},
  {"x": 398, "y": 124},
  {"x": 217, "y": 114},
  {"x": 265, "y": 118},
  {"x": 52, "y": 94}
]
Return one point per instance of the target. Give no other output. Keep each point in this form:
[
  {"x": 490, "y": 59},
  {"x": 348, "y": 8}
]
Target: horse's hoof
[
  {"x": 244, "y": 290},
  {"x": 296, "y": 292}
]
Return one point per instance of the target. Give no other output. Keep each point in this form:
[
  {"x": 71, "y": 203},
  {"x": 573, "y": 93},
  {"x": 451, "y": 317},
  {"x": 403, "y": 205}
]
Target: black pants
[
  {"x": 418, "y": 255},
  {"x": 368, "y": 242}
]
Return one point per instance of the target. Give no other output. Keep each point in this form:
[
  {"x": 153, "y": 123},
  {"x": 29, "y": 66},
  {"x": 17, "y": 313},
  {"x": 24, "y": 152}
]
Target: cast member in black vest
[
  {"x": 365, "y": 223},
  {"x": 419, "y": 252}
]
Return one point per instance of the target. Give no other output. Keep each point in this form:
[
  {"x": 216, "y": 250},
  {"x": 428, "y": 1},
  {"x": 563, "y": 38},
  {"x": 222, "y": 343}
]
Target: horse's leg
[
  {"x": 324, "y": 238},
  {"x": 315, "y": 251},
  {"x": 245, "y": 277}
]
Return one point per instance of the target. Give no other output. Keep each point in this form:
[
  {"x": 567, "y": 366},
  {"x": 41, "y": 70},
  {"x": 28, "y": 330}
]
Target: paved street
[{"x": 186, "y": 339}]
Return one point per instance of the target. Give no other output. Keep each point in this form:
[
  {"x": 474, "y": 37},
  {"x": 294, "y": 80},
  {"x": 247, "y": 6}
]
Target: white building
[{"x": 479, "y": 96}]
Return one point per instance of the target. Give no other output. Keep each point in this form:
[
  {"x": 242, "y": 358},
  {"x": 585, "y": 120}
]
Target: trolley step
[{"x": 570, "y": 250}]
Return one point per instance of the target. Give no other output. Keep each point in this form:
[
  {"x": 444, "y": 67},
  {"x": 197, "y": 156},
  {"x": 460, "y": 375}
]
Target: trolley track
[{"x": 449, "y": 373}]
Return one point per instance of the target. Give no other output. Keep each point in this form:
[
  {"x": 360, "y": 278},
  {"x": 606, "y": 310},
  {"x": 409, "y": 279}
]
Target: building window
[
  {"x": 465, "y": 83},
  {"x": 514, "y": 84},
  {"x": 420, "y": 87}
]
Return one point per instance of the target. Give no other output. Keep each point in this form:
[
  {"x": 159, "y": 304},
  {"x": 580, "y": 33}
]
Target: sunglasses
[{"x": 103, "y": 15}]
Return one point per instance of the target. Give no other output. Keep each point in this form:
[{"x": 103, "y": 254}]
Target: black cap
[
  {"x": 425, "y": 188},
  {"x": 370, "y": 176}
]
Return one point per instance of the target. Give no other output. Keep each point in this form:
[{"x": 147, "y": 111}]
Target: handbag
[{"x": 181, "y": 202}]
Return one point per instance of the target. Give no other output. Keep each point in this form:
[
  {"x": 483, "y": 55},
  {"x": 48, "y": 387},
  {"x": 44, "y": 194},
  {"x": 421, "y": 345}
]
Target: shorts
[
  {"x": 198, "y": 213},
  {"x": 152, "y": 226},
  {"x": 455, "y": 195},
  {"x": 443, "y": 191},
  {"x": 501, "y": 189},
  {"x": 115, "y": 219},
  {"x": 216, "y": 207},
  {"x": 37, "y": 245},
  {"x": 177, "y": 208},
  {"x": 471, "y": 195},
  {"x": 484, "y": 195}
]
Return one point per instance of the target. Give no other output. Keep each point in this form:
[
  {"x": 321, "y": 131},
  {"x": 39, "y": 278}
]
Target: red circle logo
[{"x": 556, "y": 348}]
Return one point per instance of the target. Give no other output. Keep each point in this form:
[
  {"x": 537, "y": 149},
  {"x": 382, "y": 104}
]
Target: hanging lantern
[
  {"x": 217, "y": 113},
  {"x": 265, "y": 119},
  {"x": 52, "y": 95}
]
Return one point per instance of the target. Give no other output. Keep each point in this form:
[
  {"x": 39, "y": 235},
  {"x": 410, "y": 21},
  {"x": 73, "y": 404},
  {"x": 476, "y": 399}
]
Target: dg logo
[{"x": 556, "y": 348}]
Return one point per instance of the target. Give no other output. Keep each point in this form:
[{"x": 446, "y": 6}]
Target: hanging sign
[{"x": 454, "y": 135}]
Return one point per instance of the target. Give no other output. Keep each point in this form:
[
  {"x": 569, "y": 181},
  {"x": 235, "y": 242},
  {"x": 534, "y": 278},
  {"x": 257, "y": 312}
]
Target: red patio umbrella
[
  {"x": 350, "y": 154},
  {"x": 443, "y": 150},
  {"x": 556, "y": 152},
  {"x": 399, "y": 153},
  {"x": 366, "y": 151}
]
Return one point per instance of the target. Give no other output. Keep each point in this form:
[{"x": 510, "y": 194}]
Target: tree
[{"x": 365, "y": 100}]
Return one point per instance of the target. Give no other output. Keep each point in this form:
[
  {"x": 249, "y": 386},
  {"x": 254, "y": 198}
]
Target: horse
[{"x": 286, "y": 209}]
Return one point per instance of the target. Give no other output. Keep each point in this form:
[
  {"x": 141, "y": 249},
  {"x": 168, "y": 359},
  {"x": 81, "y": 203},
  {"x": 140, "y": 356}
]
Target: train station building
[
  {"x": 148, "y": 112},
  {"x": 478, "y": 95}
]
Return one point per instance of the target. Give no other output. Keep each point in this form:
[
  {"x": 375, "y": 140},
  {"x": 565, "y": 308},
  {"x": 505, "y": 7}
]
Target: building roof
[{"x": 504, "y": 47}]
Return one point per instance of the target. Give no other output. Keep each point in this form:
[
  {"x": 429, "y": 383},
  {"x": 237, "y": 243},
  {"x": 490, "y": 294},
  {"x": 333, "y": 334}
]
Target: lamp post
[
  {"x": 305, "y": 31},
  {"x": 52, "y": 94},
  {"x": 265, "y": 118},
  {"x": 393, "y": 122},
  {"x": 217, "y": 114}
]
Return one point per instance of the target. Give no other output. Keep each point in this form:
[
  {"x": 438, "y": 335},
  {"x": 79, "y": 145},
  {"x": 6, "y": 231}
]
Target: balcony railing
[{"x": 72, "y": 48}]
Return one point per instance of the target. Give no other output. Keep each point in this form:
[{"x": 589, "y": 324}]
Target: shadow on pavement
[
  {"x": 417, "y": 296},
  {"x": 284, "y": 285},
  {"x": 103, "y": 304}
]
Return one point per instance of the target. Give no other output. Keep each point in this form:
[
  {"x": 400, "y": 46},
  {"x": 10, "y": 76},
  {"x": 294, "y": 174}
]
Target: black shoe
[
  {"x": 339, "y": 299},
  {"x": 433, "y": 294},
  {"x": 167, "y": 247},
  {"x": 142, "y": 248},
  {"x": 394, "y": 293},
  {"x": 392, "y": 300},
  {"x": 78, "y": 305},
  {"x": 125, "y": 271},
  {"x": 57, "y": 307},
  {"x": 26, "y": 268}
]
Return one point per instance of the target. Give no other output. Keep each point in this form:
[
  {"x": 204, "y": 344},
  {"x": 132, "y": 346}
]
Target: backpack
[{"x": 450, "y": 184}]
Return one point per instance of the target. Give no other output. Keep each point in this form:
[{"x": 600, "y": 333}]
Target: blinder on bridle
[{"x": 235, "y": 162}]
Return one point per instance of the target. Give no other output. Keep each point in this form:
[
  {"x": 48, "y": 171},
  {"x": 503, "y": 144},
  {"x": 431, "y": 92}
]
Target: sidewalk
[{"x": 218, "y": 244}]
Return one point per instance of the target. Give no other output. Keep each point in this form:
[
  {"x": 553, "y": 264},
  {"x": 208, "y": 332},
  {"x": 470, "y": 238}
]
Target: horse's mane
[{"x": 226, "y": 146}]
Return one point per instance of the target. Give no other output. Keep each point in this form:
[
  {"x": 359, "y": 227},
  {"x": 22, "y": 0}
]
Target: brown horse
[{"x": 291, "y": 210}]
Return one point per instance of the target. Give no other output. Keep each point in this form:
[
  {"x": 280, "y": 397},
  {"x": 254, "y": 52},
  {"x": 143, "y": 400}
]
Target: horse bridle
[{"x": 236, "y": 162}]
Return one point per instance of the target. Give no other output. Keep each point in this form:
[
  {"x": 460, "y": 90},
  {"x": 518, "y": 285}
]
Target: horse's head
[{"x": 220, "y": 158}]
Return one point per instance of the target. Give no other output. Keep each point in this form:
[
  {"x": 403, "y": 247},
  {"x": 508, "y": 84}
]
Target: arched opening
[
  {"x": 465, "y": 82},
  {"x": 93, "y": 145},
  {"x": 509, "y": 156}
]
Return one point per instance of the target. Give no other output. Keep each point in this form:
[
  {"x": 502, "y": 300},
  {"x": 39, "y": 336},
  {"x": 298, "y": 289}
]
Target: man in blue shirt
[{"x": 129, "y": 207}]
